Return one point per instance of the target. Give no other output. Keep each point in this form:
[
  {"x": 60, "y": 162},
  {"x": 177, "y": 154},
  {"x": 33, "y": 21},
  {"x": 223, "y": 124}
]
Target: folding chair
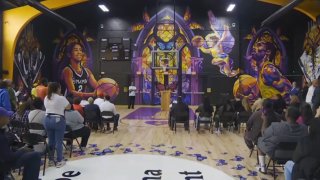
[
  {"x": 36, "y": 139},
  {"x": 282, "y": 154},
  {"x": 111, "y": 119},
  {"x": 71, "y": 139}
]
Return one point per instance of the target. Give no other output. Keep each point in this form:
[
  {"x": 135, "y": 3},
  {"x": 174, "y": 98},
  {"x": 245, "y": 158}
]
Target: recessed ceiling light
[
  {"x": 231, "y": 7},
  {"x": 103, "y": 8}
]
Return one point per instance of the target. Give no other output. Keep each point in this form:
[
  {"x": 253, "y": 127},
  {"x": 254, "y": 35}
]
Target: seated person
[
  {"x": 226, "y": 107},
  {"x": 108, "y": 106},
  {"x": 100, "y": 99},
  {"x": 256, "y": 122},
  {"x": 75, "y": 121},
  {"x": 280, "y": 131},
  {"x": 306, "y": 114},
  {"x": 84, "y": 102},
  {"x": 22, "y": 112},
  {"x": 279, "y": 104},
  {"x": 306, "y": 157},
  {"x": 205, "y": 111},
  {"x": 257, "y": 105},
  {"x": 92, "y": 114},
  {"x": 294, "y": 101},
  {"x": 37, "y": 115},
  {"x": 21, "y": 158},
  {"x": 180, "y": 112},
  {"x": 76, "y": 105}
]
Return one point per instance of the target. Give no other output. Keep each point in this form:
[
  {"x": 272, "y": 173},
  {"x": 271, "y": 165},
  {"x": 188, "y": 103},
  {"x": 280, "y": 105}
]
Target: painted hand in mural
[{"x": 218, "y": 44}]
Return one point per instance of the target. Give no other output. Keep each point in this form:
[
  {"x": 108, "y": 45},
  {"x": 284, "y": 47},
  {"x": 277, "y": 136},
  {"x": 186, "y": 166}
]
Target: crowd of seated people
[{"x": 54, "y": 112}]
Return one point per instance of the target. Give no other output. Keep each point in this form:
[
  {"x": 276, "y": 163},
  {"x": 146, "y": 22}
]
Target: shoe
[
  {"x": 51, "y": 164},
  {"x": 262, "y": 169},
  {"x": 108, "y": 129},
  {"x": 60, "y": 164},
  {"x": 115, "y": 129},
  {"x": 84, "y": 149}
]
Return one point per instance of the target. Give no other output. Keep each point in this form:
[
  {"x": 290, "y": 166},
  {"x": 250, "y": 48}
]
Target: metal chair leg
[{"x": 71, "y": 149}]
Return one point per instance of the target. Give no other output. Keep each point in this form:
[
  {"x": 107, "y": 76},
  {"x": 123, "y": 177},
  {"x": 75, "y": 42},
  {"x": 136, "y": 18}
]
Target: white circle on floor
[{"x": 134, "y": 167}]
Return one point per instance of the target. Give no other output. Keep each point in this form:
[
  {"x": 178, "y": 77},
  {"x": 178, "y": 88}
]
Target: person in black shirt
[
  {"x": 21, "y": 158},
  {"x": 180, "y": 111}
]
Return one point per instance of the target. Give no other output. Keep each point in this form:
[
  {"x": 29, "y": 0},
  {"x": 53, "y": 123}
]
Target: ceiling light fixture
[
  {"x": 231, "y": 7},
  {"x": 103, "y": 8}
]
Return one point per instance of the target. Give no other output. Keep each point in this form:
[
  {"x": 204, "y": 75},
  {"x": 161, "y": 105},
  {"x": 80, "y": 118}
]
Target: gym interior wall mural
[
  {"x": 28, "y": 60},
  {"x": 73, "y": 64},
  {"x": 169, "y": 31},
  {"x": 310, "y": 59},
  {"x": 264, "y": 66}
]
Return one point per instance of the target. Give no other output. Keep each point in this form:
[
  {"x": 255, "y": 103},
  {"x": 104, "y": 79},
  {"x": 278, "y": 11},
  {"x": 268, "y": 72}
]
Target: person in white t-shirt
[
  {"x": 55, "y": 122},
  {"x": 108, "y": 106},
  {"x": 132, "y": 95},
  {"x": 310, "y": 92},
  {"x": 99, "y": 100}
]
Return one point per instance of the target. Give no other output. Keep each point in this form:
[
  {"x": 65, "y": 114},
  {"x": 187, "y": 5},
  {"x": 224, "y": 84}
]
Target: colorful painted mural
[
  {"x": 164, "y": 35},
  {"x": 73, "y": 64},
  {"x": 265, "y": 62},
  {"x": 28, "y": 60},
  {"x": 219, "y": 43},
  {"x": 310, "y": 59}
]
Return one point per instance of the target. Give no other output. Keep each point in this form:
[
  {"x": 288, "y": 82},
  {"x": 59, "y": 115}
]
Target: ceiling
[{"x": 310, "y": 8}]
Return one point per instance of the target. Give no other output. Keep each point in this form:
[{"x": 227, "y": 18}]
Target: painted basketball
[{"x": 108, "y": 86}]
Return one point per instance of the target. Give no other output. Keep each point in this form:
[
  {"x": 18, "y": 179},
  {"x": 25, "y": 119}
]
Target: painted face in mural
[
  {"x": 77, "y": 53},
  {"x": 212, "y": 40},
  {"x": 259, "y": 51}
]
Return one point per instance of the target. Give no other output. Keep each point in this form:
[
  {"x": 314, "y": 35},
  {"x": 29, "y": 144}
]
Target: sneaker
[
  {"x": 60, "y": 164},
  {"x": 51, "y": 164},
  {"x": 84, "y": 149},
  {"x": 262, "y": 169}
]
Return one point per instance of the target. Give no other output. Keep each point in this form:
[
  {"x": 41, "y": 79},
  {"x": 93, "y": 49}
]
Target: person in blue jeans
[
  {"x": 22, "y": 158},
  {"x": 55, "y": 123}
]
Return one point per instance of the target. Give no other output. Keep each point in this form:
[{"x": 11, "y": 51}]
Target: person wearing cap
[{"x": 21, "y": 158}]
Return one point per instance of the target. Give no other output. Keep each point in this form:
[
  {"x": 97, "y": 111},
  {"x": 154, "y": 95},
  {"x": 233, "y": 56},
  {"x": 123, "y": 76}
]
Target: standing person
[
  {"x": 310, "y": 92},
  {"x": 4, "y": 96},
  {"x": 316, "y": 97},
  {"x": 304, "y": 91},
  {"x": 12, "y": 94},
  {"x": 295, "y": 90},
  {"x": 55, "y": 123},
  {"x": 21, "y": 158},
  {"x": 132, "y": 95},
  {"x": 42, "y": 89}
]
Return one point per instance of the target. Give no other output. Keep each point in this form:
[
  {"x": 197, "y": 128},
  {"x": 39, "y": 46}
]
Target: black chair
[
  {"x": 199, "y": 122},
  {"x": 70, "y": 139},
  {"x": 5, "y": 171},
  {"x": 228, "y": 118},
  {"x": 242, "y": 117},
  {"x": 282, "y": 154},
  {"x": 18, "y": 127},
  {"x": 181, "y": 118},
  {"x": 37, "y": 127},
  {"x": 111, "y": 119},
  {"x": 33, "y": 139},
  {"x": 92, "y": 118}
]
